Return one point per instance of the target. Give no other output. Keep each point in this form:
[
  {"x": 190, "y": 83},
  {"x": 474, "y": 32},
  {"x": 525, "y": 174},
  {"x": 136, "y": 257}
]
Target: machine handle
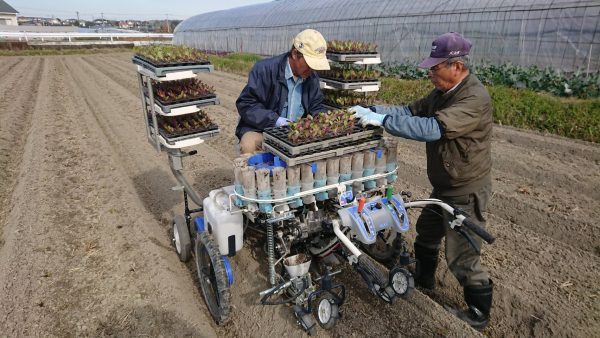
[
  {"x": 361, "y": 204},
  {"x": 479, "y": 231}
]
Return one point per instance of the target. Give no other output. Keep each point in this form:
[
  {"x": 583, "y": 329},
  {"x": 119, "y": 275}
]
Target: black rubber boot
[
  {"x": 479, "y": 302},
  {"x": 426, "y": 266}
]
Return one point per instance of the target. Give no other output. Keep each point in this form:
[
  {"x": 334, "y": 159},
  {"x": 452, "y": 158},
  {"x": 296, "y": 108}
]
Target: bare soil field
[{"x": 86, "y": 206}]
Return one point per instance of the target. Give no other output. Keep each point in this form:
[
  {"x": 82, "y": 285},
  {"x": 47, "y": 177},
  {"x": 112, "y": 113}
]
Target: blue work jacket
[{"x": 266, "y": 93}]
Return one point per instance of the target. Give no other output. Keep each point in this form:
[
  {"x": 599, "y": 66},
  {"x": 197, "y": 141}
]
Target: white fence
[{"x": 69, "y": 36}]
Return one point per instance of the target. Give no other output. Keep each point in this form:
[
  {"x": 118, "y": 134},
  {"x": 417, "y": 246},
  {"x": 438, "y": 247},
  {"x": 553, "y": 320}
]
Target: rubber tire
[
  {"x": 410, "y": 280},
  {"x": 212, "y": 277},
  {"x": 185, "y": 244},
  {"x": 335, "y": 314}
]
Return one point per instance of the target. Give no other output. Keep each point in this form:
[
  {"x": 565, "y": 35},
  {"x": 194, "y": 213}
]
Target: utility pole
[
  {"x": 168, "y": 26},
  {"x": 78, "y": 24},
  {"x": 102, "y": 16}
]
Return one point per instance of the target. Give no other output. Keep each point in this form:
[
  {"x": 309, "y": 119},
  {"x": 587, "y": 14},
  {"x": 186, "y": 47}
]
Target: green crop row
[
  {"x": 577, "y": 84},
  {"x": 238, "y": 63}
]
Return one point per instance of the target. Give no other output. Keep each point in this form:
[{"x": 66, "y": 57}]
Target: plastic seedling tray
[
  {"x": 370, "y": 81},
  {"x": 162, "y": 69},
  {"x": 184, "y": 134},
  {"x": 277, "y": 137},
  {"x": 350, "y": 85},
  {"x": 351, "y": 56},
  {"x": 339, "y": 149}
]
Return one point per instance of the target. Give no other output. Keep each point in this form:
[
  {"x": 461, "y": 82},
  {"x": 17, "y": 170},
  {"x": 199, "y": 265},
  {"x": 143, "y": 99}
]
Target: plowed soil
[{"x": 86, "y": 207}]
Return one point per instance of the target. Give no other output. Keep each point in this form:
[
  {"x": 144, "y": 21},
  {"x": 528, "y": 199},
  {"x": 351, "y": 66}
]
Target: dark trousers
[{"x": 434, "y": 223}]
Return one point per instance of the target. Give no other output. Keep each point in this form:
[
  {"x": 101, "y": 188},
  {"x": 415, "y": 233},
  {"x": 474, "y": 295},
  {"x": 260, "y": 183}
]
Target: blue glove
[
  {"x": 373, "y": 119},
  {"x": 359, "y": 111},
  {"x": 281, "y": 121}
]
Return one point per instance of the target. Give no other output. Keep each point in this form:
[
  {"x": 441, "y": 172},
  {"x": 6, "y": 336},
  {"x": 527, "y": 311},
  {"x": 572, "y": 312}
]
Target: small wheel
[
  {"x": 181, "y": 239},
  {"x": 401, "y": 281},
  {"x": 213, "y": 278},
  {"x": 326, "y": 311}
]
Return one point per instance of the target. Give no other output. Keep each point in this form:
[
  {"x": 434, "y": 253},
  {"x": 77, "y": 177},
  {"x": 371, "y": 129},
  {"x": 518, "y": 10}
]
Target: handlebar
[{"x": 479, "y": 231}]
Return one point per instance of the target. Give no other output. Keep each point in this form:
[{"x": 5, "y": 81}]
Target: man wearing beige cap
[
  {"x": 455, "y": 121},
  {"x": 281, "y": 89}
]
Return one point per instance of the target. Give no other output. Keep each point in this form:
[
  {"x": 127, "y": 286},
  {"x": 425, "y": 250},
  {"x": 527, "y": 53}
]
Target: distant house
[{"x": 8, "y": 15}]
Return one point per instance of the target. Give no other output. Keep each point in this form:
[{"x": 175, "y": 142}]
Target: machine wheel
[
  {"x": 214, "y": 282},
  {"x": 181, "y": 239},
  {"x": 401, "y": 281},
  {"x": 326, "y": 311},
  {"x": 382, "y": 251}
]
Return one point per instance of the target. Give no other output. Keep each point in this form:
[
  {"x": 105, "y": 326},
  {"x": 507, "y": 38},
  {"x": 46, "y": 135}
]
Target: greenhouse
[{"x": 558, "y": 34}]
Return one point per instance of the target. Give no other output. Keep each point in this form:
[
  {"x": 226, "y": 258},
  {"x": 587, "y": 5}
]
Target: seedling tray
[
  {"x": 277, "y": 137},
  {"x": 350, "y": 85},
  {"x": 210, "y": 131},
  {"x": 351, "y": 56},
  {"x": 164, "y": 68},
  {"x": 172, "y": 138},
  {"x": 339, "y": 149},
  {"x": 370, "y": 81}
]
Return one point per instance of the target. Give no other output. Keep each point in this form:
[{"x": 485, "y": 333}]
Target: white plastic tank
[{"x": 226, "y": 227}]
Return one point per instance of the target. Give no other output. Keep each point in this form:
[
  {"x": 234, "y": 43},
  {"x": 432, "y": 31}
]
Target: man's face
[
  {"x": 299, "y": 66},
  {"x": 444, "y": 76}
]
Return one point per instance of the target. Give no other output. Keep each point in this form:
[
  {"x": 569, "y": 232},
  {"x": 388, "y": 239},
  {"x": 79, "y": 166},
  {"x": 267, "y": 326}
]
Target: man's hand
[
  {"x": 281, "y": 121},
  {"x": 359, "y": 111},
  {"x": 372, "y": 119}
]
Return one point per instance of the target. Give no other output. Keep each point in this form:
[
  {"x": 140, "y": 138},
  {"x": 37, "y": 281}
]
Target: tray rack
[
  {"x": 152, "y": 107},
  {"x": 357, "y": 58}
]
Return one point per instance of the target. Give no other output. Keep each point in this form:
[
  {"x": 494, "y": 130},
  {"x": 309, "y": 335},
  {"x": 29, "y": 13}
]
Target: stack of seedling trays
[
  {"x": 172, "y": 95},
  {"x": 350, "y": 75}
]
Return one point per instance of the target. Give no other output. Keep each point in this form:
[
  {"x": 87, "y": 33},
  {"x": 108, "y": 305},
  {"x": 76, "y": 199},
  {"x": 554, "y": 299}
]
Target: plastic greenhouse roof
[{"x": 297, "y": 12}]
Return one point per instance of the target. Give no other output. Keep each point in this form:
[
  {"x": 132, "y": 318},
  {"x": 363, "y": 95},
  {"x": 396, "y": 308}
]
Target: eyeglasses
[{"x": 438, "y": 66}]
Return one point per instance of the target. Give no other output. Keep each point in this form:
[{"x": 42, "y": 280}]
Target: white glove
[
  {"x": 281, "y": 121},
  {"x": 359, "y": 111},
  {"x": 372, "y": 119}
]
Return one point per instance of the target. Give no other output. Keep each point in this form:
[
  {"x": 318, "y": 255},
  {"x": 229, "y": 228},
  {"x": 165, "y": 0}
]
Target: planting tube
[
  {"x": 263, "y": 184},
  {"x": 333, "y": 174},
  {"x": 321, "y": 180},
  {"x": 249, "y": 183},
  {"x": 391, "y": 147},
  {"x": 238, "y": 164},
  {"x": 279, "y": 188},
  {"x": 380, "y": 166},
  {"x": 369, "y": 168},
  {"x": 307, "y": 182},
  {"x": 357, "y": 171},
  {"x": 346, "y": 169},
  {"x": 293, "y": 187}
]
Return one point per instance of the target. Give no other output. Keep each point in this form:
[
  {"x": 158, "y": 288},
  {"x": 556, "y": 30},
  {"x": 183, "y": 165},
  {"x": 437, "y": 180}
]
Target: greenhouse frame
[{"x": 559, "y": 34}]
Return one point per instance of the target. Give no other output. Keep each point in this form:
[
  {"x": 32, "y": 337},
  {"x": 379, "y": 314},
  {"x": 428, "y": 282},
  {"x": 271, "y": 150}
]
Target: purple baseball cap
[{"x": 446, "y": 46}]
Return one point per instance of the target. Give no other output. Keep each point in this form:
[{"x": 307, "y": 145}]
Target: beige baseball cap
[{"x": 313, "y": 46}]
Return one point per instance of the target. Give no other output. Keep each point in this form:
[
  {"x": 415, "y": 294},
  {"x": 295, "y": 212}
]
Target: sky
[{"x": 124, "y": 9}]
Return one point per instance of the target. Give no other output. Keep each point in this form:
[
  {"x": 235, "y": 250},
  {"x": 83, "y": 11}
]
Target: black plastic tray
[
  {"x": 277, "y": 137},
  {"x": 171, "y": 64},
  {"x": 184, "y": 134},
  {"x": 162, "y": 69},
  {"x": 352, "y": 53},
  {"x": 340, "y": 149}
]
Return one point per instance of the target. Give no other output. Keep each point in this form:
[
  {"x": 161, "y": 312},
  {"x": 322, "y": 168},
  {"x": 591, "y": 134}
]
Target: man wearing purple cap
[{"x": 455, "y": 120}]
